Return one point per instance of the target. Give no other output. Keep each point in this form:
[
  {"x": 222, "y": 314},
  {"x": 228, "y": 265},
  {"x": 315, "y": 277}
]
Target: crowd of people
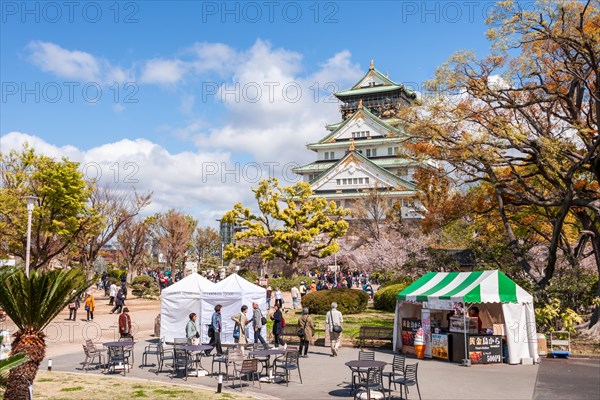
[{"x": 255, "y": 321}]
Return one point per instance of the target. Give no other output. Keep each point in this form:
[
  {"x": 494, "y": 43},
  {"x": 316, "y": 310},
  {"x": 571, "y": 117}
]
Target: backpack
[{"x": 282, "y": 322}]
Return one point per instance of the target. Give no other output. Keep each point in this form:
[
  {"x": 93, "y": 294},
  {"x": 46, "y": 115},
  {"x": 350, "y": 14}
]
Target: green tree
[
  {"x": 32, "y": 303},
  {"x": 62, "y": 214},
  {"x": 291, "y": 225}
]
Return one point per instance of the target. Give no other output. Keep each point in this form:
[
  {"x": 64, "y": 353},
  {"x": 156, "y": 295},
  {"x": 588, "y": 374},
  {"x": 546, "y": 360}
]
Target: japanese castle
[{"x": 362, "y": 152}]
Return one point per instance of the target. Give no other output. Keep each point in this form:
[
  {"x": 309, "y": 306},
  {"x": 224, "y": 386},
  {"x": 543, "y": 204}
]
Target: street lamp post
[{"x": 31, "y": 201}]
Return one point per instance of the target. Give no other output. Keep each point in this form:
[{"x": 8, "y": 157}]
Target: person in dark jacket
[
  {"x": 277, "y": 318},
  {"x": 119, "y": 301}
]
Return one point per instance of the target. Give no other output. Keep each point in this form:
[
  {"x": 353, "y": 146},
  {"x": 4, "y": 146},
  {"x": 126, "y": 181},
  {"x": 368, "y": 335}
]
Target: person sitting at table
[
  {"x": 191, "y": 330},
  {"x": 241, "y": 320},
  {"x": 125, "y": 324},
  {"x": 305, "y": 325},
  {"x": 474, "y": 311}
]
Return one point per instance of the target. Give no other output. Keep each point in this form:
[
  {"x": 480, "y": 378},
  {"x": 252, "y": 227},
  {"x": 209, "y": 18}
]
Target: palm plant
[
  {"x": 8, "y": 364},
  {"x": 32, "y": 303}
]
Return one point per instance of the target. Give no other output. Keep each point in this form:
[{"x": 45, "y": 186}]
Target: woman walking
[
  {"x": 241, "y": 320},
  {"x": 305, "y": 331},
  {"x": 277, "y": 318},
  {"x": 90, "y": 306}
]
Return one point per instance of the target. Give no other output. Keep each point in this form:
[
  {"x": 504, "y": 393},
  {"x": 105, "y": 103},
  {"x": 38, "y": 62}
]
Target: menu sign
[
  {"x": 439, "y": 346},
  {"x": 410, "y": 326},
  {"x": 485, "y": 349}
]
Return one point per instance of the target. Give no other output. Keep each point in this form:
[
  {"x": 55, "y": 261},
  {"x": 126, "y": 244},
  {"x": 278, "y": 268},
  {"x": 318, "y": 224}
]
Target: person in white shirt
[
  {"x": 334, "y": 321},
  {"x": 278, "y": 298},
  {"x": 112, "y": 292},
  {"x": 295, "y": 297}
]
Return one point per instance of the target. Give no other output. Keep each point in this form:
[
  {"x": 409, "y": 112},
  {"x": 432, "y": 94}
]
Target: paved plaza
[
  {"x": 326, "y": 377},
  {"x": 323, "y": 376}
]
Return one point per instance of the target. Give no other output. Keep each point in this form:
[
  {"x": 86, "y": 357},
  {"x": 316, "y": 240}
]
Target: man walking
[
  {"x": 112, "y": 292},
  {"x": 295, "y": 297},
  {"x": 120, "y": 300},
  {"x": 257, "y": 320},
  {"x": 214, "y": 330},
  {"x": 333, "y": 321}
]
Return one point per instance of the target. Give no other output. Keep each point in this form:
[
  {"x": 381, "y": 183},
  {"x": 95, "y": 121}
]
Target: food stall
[{"x": 444, "y": 304}]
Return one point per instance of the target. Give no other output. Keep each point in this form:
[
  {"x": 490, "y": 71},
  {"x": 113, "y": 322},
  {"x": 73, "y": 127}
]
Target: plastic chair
[
  {"x": 288, "y": 363},
  {"x": 357, "y": 374},
  {"x": 372, "y": 387},
  {"x": 90, "y": 356},
  {"x": 181, "y": 361},
  {"x": 397, "y": 371},
  {"x": 409, "y": 379},
  {"x": 117, "y": 356},
  {"x": 249, "y": 368},
  {"x": 153, "y": 350}
]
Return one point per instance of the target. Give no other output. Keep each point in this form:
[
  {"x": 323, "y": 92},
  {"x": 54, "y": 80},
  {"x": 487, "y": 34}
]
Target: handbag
[
  {"x": 72, "y": 305},
  {"x": 301, "y": 332},
  {"x": 236, "y": 331},
  {"x": 87, "y": 308},
  {"x": 337, "y": 329},
  {"x": 263, "y": 320}
]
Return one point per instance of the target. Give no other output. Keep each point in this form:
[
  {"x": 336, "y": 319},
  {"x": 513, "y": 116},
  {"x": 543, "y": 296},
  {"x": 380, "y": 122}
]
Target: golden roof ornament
[
  {"x": 360, "y": 106},
  {"x": 372, "y": 66},
  {"x": 351, "y": 148}
]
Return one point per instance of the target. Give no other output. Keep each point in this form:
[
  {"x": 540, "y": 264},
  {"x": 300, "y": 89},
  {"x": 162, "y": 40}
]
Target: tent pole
[{"x": 465, "y": 329}]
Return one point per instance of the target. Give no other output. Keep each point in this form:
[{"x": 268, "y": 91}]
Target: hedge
[
  {"x": 144, "y": 286},
  {"x": 350, "y": 301},
  {"x": 385, "y": 298}
]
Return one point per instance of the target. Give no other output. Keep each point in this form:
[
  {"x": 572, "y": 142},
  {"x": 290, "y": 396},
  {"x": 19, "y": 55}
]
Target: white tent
[
  {"x": 232, "y": 293},
  {"x": 178, "y": 301}
]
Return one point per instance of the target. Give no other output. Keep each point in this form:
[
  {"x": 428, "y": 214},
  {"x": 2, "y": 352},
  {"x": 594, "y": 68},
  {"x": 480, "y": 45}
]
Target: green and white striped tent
[
  {"x": 466, "y": 287},
  {"x": 476, "y": 287}
]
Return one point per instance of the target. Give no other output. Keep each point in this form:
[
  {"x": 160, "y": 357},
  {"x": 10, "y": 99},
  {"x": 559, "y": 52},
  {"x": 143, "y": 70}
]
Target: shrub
[
  {"x": 350, "y": 301},
  {"x": 385, "y": 298},
  {"x": 396, "y": 281},
  {"x": 145, "y": 286}
]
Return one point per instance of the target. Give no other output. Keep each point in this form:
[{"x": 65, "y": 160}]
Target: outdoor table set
[
  {"x": 367, "y": 376},
  {"x": 269, "y": 378},
  {"x": 119, "y": 355}
]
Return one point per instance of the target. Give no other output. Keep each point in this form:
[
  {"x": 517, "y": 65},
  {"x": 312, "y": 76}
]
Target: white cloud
[
  {"x": 74, "y": 64},
  {"x": 194, "y": 182},
  {"x": 290, "y": 110},
  {"x": 163, "y": 72}
]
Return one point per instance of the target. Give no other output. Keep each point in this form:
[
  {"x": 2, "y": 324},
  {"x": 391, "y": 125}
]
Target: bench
[{"x": 374, "y": 333}]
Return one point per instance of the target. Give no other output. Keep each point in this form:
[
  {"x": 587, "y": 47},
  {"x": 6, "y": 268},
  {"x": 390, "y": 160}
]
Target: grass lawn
[
  {"x": 60, "y": 385},
  {"x": 352, "y": 322}
]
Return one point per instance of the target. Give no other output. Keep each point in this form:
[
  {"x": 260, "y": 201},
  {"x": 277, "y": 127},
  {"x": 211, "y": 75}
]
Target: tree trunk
[{"x": 19, "y": 379}]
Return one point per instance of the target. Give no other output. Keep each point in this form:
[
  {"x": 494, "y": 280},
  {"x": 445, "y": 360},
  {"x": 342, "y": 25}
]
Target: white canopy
[
  {"x": 178, "y": 301},
  {"x": 232, "y": 293}
]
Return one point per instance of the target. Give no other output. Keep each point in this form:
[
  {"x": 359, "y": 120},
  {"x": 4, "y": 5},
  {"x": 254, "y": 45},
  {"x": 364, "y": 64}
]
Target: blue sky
[{"x": 172, "y": 88}]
